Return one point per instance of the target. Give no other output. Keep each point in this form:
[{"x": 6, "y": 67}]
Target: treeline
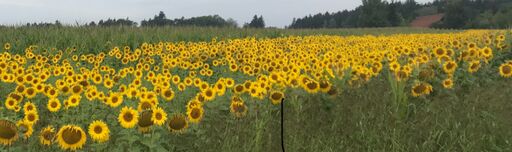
[
  {"x": 210, "y": 21},
  {"x": 382, "y": 13},
  {"x": 372, "y": 13},
  {"x": 162, "y": 20},
  {"x": 475, "y": 14}
]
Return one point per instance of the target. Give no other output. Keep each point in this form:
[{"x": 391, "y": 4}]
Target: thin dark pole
[{"x": 282, "y": 124}]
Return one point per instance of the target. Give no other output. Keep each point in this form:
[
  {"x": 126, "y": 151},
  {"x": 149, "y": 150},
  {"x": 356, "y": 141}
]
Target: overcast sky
[{"x": 277, "y": 13}]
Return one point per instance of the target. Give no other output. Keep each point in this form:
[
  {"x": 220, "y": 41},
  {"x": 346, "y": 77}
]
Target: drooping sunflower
[
  {"x": 506, "y": 70},
  {"x": 195, "y": 114},
  {"x": 26, "y": 128},
  {"x": 98, "y": 131},
  {"x": 420, "y": 89},
  {"x": 71, "y": 137},
  {"x": 158, "y": 116},
  {"x": 47, "y": 135},
  {"x": 53, "y": 105},
  {"x": 177, "y": 124},
  {"x": 8, "y": 132},
  {"x": 474, "y": 66},
  {"x": 276, "y": 97},
  {"x": 128, "y": 117},
  {"x": 238, "y": 109},
  {"x": 145, "y": 122}
]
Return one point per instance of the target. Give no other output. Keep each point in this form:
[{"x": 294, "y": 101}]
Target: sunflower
[
  {"x": 209, "y": 94},
  {"x": 229, "y": 82},
  {"x": 31, "y": 117},
  {"x": 474, "y": 66},
  {"x": 26, "y": 128},
  {"x": 8, "y": 132},
  {"x": 312, "y": 87},
  {"x": 30, "y": 93},
  {"x": 10, "y": 103},
  {"x": 114, "y": 100},
  {"x": 47, "y": 135},
  {"x": 448, "y": 83},
  {"x": 394, "y": 66},
  {"x": 238, "y": 108},
  {"x": 29, "y": 106},
  {"x": 167, "y": 94},
  {"x": 98, "y": 131},
  {"x": 506, "y": 70},
  {"x": 73, "y": 101},
  {"x": 71, "y": 137},
  {"x": 276, "y": 97},
  {"x": 195, "y": 114},
  {"x": 238, "y": 89},
  {"x": 439, "y": 51},
  {"x": 325, "y": 86},
  {"x": 128, "y": 117},
  {"x": 177, "y": 124},
  {"x": 7, "y": 46},
  {"x": 145, "y": 105},
  {"x": 420, "y": 89},
  {"x": 76, "y": 89},
  {"x": 53, "y": 105},
  {"x": 145, "y": 121},
  {"x": 158, "y": 116},
  {"x": 220, "y": 88},
  {"x": 449, "y": 67}
]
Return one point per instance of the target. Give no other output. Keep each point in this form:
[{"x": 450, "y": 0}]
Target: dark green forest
[{"x": 381, "y": 13}]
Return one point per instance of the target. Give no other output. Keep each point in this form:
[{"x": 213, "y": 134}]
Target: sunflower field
[{"x": 445, "y": 91}]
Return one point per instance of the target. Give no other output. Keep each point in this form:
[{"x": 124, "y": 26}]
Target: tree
[
  {"x": 374, "y": 14},
  {"x": 256, "y": 22}
]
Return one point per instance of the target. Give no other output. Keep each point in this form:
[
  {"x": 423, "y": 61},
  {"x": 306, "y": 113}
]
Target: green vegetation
[{"x": 95, "y": 39}]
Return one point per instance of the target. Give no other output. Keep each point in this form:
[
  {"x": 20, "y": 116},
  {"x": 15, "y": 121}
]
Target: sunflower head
[
  {"x": 195, "y": 114},
  {"x": 177, "y": 124},
  {"x": 8, "y": 132},
  {"x": 145, "y": 121},
  {"x": 276, "y": 97},
  {"x": 71, "y": 137},
  {"x": 506, "y": 70},
  {"x": 128, "y": 117},
  {"x": 158, "y": 116},
  {"x": 47, "y": 135},
  {"x": 238, "y": 108},
  {"x": 98, "y": 131}
]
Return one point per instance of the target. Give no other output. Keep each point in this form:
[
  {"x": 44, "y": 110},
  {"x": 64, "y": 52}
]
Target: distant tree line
[
  {"x": 162, "y": 20},
  {"x": 210, "y": 21},
  {"x": 475, "y": 13},
  {"x": 382, "y": 13},
  {"x": 372, "y": 13}
]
